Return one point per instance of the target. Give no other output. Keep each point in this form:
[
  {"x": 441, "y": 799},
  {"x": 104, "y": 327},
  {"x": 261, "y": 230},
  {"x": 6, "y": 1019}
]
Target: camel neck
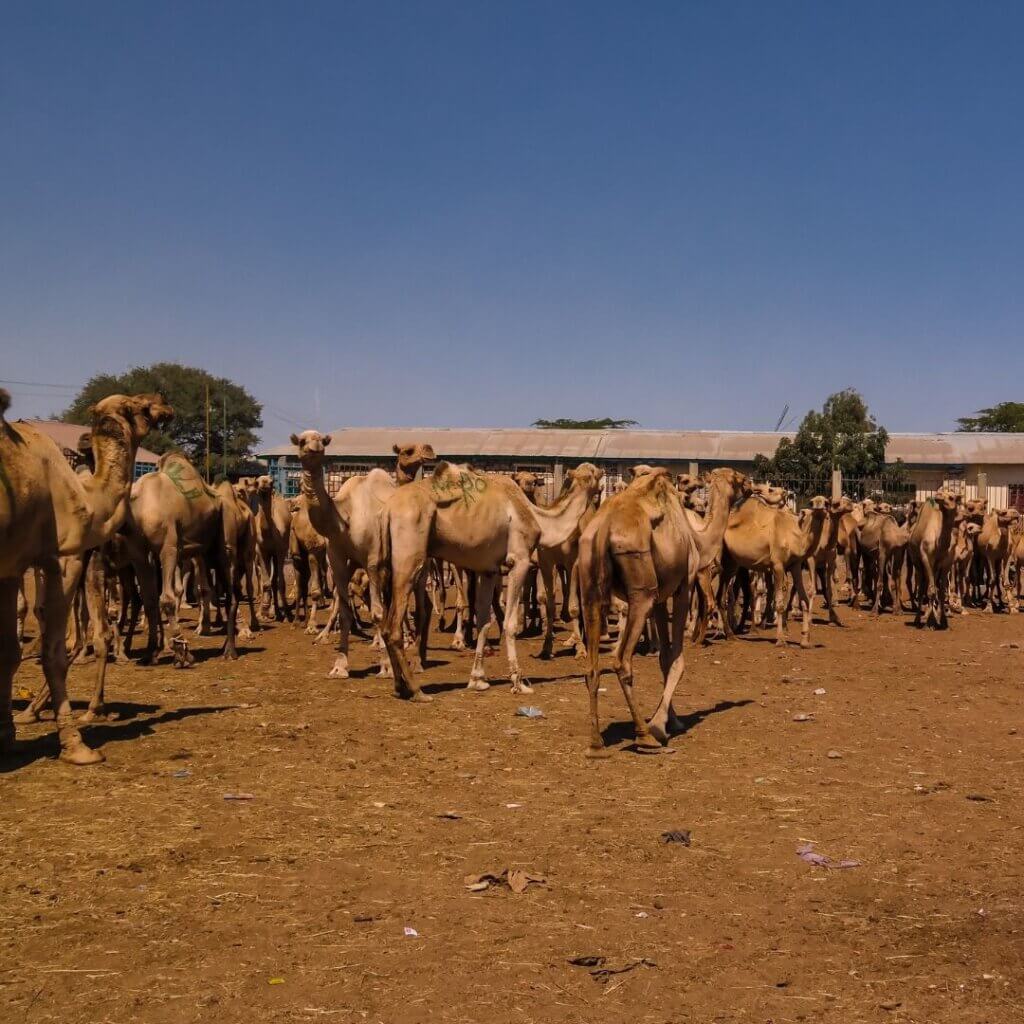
[
  {"x": 322, "y": 511},
  {"x": 710, "y": 535},
  {"x": 811, "y": 531},
  {"x": 558, "y": 523}
]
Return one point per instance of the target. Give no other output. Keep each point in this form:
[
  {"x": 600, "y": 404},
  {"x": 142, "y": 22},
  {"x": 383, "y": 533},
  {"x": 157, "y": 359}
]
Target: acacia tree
[
  {"x": 1004, "y": 418},
  {"x": 603, "y": 424},
  {"x": 843, "y": 436},
  {"x": 185, "y": 387}
]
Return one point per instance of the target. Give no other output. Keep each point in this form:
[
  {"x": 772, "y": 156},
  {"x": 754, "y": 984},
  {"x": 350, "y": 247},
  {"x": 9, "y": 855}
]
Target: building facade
[{"x": 976, "y": 465}]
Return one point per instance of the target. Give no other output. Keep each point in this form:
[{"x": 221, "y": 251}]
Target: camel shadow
[
  {"x": 622, "y": 732},
  {"x": 38, "y": 748}
]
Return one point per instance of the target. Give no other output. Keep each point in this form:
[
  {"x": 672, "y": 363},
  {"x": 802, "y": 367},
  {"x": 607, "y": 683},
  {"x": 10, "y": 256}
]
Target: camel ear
[
  {"x": 395, "y": 448},
  {"x": 326, "y": 439},
  {"x": 294, "y": 440}
]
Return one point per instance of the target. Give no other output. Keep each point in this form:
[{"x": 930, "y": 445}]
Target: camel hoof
[
  {"x": 79, "y": 754},
  {"x": 246, "y": 634},
  {"x": 598, "y": 753},
  {"x": 478, "y": 684},
  {"x": 521, "y": 687},
  {"x": 99, "y": 715},
  {"x": 657, "y": 736},
  {"x": 458, "y": 645},
  {"x": 419, "y": 697},
  {"x": 806, "y": 644},
  {"x": 546, "y": 653},
  {"x": 122, "y": 659},
  {"x": 338, "y": 672},
  {"x": 27, "y": 717}
]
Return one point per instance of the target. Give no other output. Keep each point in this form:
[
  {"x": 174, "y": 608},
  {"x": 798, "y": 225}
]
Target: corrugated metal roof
[
  {"x": 949, "y": 449},
  {"x": 67, "y": 434}
]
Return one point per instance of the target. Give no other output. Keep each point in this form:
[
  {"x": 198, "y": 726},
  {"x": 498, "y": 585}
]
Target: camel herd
[{"x": 386, "y": 547}]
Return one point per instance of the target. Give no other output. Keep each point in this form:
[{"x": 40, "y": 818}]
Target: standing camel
[
  {"x": 932, "y": 548},
  {"x": 643, "y": 548},
  {"x": 273, "y": 530},
  {"x": 477, "y": 521},
  {"x": 49, "y": 512},
  {"x": 773, "y": 540}
]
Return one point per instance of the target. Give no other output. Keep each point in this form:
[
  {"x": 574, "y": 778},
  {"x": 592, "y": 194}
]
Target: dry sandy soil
[{"x": 136, "y": 892}]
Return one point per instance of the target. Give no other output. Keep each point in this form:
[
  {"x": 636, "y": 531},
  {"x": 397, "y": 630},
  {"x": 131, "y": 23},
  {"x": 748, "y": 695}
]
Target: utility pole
[
  {"x": 224, "y": 440},
  {"x": 207, "y": 431}
]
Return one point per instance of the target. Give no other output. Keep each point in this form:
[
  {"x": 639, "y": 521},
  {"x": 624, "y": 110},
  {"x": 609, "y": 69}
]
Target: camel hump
[{"x": 5, "y": 400}]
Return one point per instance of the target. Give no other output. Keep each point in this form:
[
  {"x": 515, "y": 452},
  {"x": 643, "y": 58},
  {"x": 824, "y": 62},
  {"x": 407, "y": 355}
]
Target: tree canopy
[
  {"x": 1004, "y": 418},
  {"x": 843, "y": 436},
  {"x": 185, "y": 388},
  {"x": 603, "y": 424}
]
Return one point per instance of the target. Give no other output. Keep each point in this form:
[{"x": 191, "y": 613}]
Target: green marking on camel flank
[
  {"x": 470, "y": 486},
  {"x": 178, "y": 473}
]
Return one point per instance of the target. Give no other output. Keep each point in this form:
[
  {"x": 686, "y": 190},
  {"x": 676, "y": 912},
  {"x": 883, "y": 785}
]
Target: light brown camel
[
  {"x": 49, "y": 512},
  {"x": 308, "y": 550},
  {"x": 963, "y": 556},
  {"x": 643, "y": 548},
  {"x": 932, "y": 547},
  {"x": 410, "y": 458},
  {"x": 477, "y": 521},
  {"x": 762, "y": 538},
  {"x": 1017, "y": 560},
  {"x": 993, "y": 546},
  {"x": 273, "y": 531},
  {"x": 848, "y": 546},
  {"x": 883, "y": 544},
  {"x": 822, "y": 562},
  {"x": 174, "y": 516}
]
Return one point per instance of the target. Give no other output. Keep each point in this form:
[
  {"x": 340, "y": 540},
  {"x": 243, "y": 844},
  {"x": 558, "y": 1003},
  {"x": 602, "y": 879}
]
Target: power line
[{"x": 39, "y": 384}]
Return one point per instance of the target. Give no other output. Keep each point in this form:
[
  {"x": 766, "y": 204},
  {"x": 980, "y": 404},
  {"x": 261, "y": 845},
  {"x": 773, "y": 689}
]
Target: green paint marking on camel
[
  {"x": 177, "y": 473},
  {"x": 469, "y": 486}
]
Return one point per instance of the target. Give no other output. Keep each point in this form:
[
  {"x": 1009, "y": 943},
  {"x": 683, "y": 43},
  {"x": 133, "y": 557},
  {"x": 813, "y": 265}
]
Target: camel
[
  {"x": 763, "y": 538},
  {"x": 477, "y": 521},
  {"x": 822, "y": 562},
  {"x": 642, "y": 547},
  {"x": 963, "y": 557},
  {"x": 174, "y": 516},
  {"x": 1016, "y": 560},
  {"x": 883, "y": 544},
  {"x": 932, "y": 547},
  {"x": 49, "y": 512},
  {"x": 308, "y": 551},
  {"x": 848, "y": 545},
  {"x": 273, "y": 531},
  {"x": 993, "y": 547}
]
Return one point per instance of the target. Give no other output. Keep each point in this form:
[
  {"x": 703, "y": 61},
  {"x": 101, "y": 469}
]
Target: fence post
[
  {"x": 982, "y": 485},
  {"x": 557, "y": 476},
  {"x": 837, "y": 484},
  {"x": 693, "y": 468}
]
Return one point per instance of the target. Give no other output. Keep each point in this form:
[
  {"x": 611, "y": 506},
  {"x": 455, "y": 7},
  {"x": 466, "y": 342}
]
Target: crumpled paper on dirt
[
  {"x": 819, "y": 860},
  {"x": 516, "y": 879}
]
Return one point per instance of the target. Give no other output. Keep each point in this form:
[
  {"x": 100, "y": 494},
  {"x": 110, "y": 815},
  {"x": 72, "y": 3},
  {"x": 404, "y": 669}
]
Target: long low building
[
  {"x": 976, "y": 465},
  {"x": 67, "y": 436}
]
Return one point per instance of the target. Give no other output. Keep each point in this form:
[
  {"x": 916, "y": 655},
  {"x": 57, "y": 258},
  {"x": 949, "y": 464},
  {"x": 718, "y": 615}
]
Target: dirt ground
[{"x": 135, "y": 891}]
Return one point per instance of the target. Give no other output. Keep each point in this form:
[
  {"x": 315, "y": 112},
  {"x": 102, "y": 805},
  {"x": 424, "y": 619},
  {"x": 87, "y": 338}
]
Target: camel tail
[
  {"x": 595, "y": 590},
  {"x": 378, "y": 563},
  {"x": 5, "y": 401}
]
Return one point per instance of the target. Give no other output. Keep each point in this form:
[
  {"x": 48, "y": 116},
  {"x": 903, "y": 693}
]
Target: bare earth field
[{"x": 135, "y": 892}]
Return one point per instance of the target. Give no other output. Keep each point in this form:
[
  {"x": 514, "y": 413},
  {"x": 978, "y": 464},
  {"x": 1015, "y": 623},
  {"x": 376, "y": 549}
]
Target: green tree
[
  {"x": 844, "y": 436},
  {"x": 185, "y": 388},
  {"x": 1004, "y": 418},
  {"x": 604, "y": 424}
]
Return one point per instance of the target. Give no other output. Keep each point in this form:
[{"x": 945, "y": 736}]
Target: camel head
[
  {"x": 947, "y": 501},
  {"x": 1007, "y": 517},
  {"x": 818, "y": 507},
  {"x": 975, "y": 509},
  {"x": 410, "y": 460},
  {"x": 264, "y": 486},
  {"x": 687, "y": 483},
  {"x": 738, "y": 484},
  {"x": 312, "y": 447},
  {"x": 841, "y": 506},
  {"x": 641, "y": 469},
  {"x": 587, "y": 476},
  {"x": 868, "y": 506},
  {"x": 767, "y": 494},
  {"x": 883, "y": 508},
  {"x": 129, "y": 415},
  {"x": 530, "y": 483}
]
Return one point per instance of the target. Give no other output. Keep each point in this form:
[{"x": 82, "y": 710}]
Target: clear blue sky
[{"x": 481, "y": 213}]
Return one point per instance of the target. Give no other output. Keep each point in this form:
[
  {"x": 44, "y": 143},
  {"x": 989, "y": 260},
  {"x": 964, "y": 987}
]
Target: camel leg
[
  {"x": 74, "y": 750},
  {"x": 804, "y": 604},
  {"x": 594, "y": 616},
  {"x": 725, "y": 599},
  {"x": 342, "y": 576},
  {"x": 517, "y": 574},
  {"x": 485, "y": 584},
  {"x": 391, "y": 622},
  {"x": 96, "y": 597},
  {"x": 422, "y": 623},
  {"x": 665, "y": 720},
  {"x": 574, "y": 640},
  {"x": 639, "y": 605},
  {"x": 781, "y": 617},
  {"x": 201, "y": 576},
  {"x": 547, "y": 576},
  {"x": 461, "y": 611},
  {"x": 10, "y": 658}
]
